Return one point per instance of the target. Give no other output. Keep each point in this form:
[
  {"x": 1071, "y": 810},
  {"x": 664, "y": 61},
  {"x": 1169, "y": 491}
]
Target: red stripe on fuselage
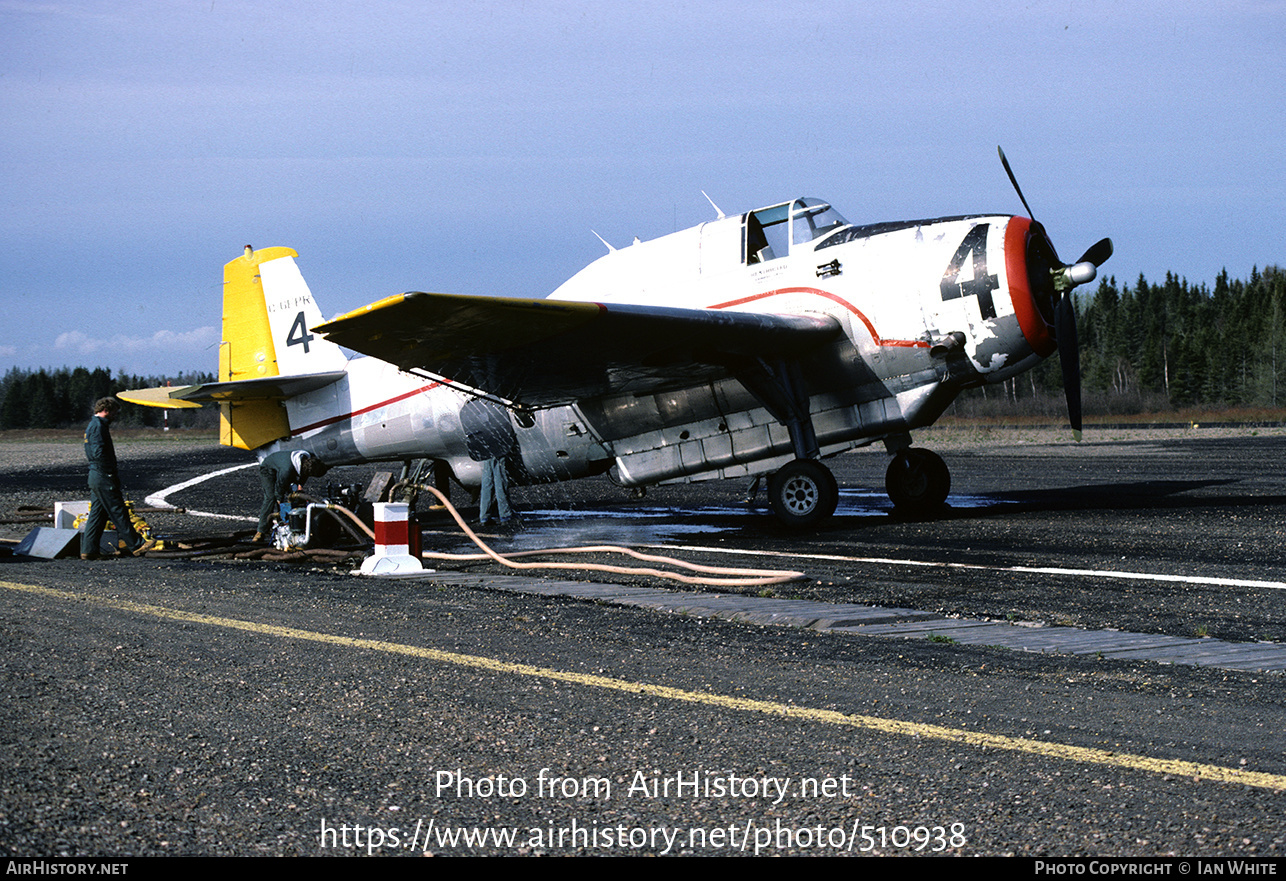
[
  {"x": 341, "y": 418},
  {"x": 879, "y": 341}
]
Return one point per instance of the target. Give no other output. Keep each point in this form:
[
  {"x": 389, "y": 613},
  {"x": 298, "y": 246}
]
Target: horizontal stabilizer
[
  {"x": 161, "y": 396},
  {"x": 268, "y": 388},
  {"x": 546, "y": 352}
]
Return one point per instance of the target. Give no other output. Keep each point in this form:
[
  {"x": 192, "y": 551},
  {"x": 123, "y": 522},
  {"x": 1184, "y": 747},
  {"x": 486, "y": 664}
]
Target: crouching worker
[
  {"x": 278, "y": 473},
  {"x": 106, "y": 501}
]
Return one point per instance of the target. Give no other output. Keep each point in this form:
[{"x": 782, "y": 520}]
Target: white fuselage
[{"x": 926, "y": 308}]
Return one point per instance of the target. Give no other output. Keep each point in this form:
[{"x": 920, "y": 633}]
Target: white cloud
[{"x": 74, "y": 341}]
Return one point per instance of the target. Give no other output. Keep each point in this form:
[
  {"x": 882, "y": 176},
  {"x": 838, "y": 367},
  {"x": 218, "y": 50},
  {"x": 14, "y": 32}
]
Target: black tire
[
  {"x": 917, "y": 481},
  {"x": 803, "y": 493}
]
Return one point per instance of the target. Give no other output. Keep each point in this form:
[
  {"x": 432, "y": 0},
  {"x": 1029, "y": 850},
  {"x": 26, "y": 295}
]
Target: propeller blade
[
  {"x": 1013, "y": 180},
  {"x": 1069, "y": 356},
  {"x": 1098, "y": 253}
]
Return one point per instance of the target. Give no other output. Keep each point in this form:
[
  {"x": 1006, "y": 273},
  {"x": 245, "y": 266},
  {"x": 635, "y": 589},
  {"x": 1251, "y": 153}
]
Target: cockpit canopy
[{"x": 771, "y": 232}]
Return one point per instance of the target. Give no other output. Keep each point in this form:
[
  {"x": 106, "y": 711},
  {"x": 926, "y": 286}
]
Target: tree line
[
  {"x": 1155, "y": 347},
  {"x": 1189, "y": 345},
  {"x": 63, "y": 399}
]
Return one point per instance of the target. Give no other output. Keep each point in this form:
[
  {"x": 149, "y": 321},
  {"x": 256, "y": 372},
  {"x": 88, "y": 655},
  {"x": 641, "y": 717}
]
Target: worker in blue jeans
[{"x": 490, "y": 440}]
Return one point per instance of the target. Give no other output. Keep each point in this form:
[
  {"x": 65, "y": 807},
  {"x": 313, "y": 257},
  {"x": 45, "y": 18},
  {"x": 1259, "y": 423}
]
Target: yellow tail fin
[{"x": 247, "y": 351}]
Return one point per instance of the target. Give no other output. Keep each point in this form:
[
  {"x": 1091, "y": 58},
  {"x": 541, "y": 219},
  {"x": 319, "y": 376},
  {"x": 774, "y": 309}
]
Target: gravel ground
[{"x": 125, "y": 735}]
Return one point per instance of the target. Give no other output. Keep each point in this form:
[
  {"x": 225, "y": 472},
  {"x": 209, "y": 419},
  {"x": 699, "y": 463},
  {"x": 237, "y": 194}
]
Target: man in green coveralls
[
  {"x": 278, "y": 472},
  {"x": 106, "y": 500}
]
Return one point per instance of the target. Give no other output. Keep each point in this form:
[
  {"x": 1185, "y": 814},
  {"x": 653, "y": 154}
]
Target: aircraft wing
[
  {"x": 266, "y": 388},
  {"x": 546, "y": 352}
]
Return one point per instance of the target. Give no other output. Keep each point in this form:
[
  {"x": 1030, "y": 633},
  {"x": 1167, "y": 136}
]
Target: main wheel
[
  {"x": 803, "y": 492},
  {"x": 917, "y": 481}
]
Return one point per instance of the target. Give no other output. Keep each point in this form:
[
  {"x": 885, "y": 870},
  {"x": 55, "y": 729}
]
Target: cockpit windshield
[
  {"x": 813, "y": 218},
  {"x": 771, "y": 232}
]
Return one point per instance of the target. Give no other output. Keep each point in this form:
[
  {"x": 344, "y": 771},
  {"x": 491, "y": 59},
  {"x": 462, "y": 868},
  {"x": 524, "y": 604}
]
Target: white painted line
[
  {"x": 1092, "y": 573},
  {"x": 159, "y": 500},
  {"x": 240, "y": 518},
  {"x": 1146, "y": 576}
]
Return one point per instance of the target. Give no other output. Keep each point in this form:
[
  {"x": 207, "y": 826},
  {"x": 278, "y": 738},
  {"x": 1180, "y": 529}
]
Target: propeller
[
  {"x": 1069, "y": 358},
  {"x": 1065, "y": 278},
  {"x": 1013, "y": 180},
  {"x": 1098, "y": 253}
]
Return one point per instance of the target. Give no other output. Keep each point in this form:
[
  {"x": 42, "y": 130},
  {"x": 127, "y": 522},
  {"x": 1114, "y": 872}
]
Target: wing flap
[{"x": 545, "y": 352}]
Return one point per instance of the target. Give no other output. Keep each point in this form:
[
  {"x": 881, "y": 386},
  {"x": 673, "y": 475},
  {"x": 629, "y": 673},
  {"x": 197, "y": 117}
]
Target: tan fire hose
[{"x": 741, "y": 577}]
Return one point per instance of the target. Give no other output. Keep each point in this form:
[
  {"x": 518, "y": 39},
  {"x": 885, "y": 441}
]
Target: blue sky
[{"x": 471, "y": 147}]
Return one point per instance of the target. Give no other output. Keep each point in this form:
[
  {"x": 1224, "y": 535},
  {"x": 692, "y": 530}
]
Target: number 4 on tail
[{"x": 299, "y": 335}]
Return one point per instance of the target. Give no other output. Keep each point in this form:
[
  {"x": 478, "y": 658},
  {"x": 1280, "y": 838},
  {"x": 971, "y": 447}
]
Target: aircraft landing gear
[
  {"x": 917, "y": 481},
  {"x": 803, "y": 492}
]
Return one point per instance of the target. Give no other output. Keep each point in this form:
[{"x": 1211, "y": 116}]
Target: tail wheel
[
  {"x": 917, "y": 481},
  {"x": 803, "y": 492}
]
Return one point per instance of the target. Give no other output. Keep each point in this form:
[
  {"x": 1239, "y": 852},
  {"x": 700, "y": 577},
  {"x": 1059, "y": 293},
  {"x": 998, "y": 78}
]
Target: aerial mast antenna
[
  {"x": 717, "y": 209},
  {"x": 610, "y": 249}
]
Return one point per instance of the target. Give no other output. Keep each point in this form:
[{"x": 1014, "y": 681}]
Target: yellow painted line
[{"x": 1194, "y": 770}]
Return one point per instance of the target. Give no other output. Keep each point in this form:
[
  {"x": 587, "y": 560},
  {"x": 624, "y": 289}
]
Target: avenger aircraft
[{"x": 760, "y": 343}]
